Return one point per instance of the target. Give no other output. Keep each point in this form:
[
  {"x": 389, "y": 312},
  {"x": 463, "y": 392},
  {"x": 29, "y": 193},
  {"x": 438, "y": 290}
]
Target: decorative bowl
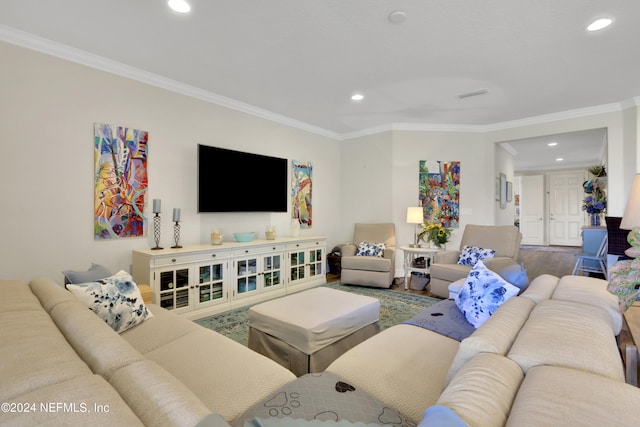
[{"x": 244, "y": 237}]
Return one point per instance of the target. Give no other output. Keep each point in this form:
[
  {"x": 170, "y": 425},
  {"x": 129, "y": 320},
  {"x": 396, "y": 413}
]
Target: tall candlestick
[
  {"x": 156, "y": 205},
  {"x": 176, "y": 214}
]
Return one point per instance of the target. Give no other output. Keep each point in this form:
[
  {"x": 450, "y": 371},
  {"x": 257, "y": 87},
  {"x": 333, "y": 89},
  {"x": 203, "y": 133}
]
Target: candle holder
[
  {"x": 156, "y": 230},
  {"x": 176, "y": 235}
]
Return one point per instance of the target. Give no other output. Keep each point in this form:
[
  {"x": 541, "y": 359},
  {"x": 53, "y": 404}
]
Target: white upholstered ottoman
[{"x": 306, "y": 331}]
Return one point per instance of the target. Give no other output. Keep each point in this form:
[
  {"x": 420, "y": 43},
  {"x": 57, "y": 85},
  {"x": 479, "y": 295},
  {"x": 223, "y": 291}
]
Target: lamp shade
[
  {"x": 415, "y": 215},
  {"x": 631, "y": 216}
]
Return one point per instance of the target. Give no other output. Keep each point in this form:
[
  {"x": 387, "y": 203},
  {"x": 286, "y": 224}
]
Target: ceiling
[{"x": 299, "y": 61}]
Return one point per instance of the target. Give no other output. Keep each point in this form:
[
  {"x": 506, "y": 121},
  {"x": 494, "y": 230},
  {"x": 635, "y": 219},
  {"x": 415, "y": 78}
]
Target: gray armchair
[
  {"x": 504, "y": 239},
  {"x": 369, "y": 270}
]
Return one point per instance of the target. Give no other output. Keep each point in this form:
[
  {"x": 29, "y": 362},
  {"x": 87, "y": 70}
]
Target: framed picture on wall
[
  {"x": 509, "y": 191},
  {"x": 497, "y": 188},
  {"x": 503, "y": 191}
]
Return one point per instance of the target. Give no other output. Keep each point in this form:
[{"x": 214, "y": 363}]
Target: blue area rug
[{"x": 395, "y": 308}]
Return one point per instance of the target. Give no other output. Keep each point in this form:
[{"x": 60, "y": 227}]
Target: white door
[
  {"x": 565, "y": 208},
  {"x": 532, "y": 209}
]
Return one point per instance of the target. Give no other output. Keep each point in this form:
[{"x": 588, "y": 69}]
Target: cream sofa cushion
[
  {"x": 569, "y": 334},
  {"x": 403, "y": 366},
  {"x": 88, "y": 389},
  {"x": 31, "y": 345},
  {"x": 541, "y": 288},
  {"x": 238, "y": 378},
  {"x": 50, "y": 293},
  {"x": 157, "y": 397},
  {"x": 496, "y": 335},
  {"x": 556, "y": 396},
  {"x": 592, "y": 291},
  {"x": 145, "y": 337},
  {"x": 482, "y": 392},
  {"x": 93, "y": 339}
]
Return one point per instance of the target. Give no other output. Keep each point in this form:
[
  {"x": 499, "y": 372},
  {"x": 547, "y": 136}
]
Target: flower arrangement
[
  {"x": 596, "y": 201},
  {"x": 435, "y": 233}
]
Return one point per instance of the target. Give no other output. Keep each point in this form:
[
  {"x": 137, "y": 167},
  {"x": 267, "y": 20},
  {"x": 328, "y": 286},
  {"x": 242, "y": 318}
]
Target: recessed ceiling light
[
  {"x": 552, "y": 144},
  {"x": 180, "y": 6},
  {"x": 357, "y": 97},
  {"x": 397, "y": 17},
  {"x": 559, "y": 159},
  {"x": 599, "y": 24}
]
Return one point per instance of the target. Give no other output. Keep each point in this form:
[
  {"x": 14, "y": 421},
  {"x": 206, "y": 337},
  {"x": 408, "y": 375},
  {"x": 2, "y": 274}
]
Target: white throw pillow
[
  {"x": 482, "y": 294},
  {"x": 115, "y": 299},
  {"x": 370, "y": 249},
  {"x": 470, "y": 255}
]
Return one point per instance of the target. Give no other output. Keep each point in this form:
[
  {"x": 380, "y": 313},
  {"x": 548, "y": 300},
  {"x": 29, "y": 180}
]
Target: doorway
[{"x": 549, "y": 173}]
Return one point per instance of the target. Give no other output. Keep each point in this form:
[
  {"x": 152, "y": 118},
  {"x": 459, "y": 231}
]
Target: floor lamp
[{"x": 415, "y": 216}]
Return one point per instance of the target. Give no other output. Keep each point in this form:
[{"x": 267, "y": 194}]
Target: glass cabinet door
[
  {"x": 174, "y": 288},
  {"x": 271, "y": 270},
  {"x": 296, "y": 266},
  {"x": 210, "y": 283},
  {"x": 315, "y": 262},
  {"x": 246, "y": 276}
]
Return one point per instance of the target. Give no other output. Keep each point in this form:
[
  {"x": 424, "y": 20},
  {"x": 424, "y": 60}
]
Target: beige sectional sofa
[
  {"x": 62, "y": 365},
  {"x": 546, "y": 357}
]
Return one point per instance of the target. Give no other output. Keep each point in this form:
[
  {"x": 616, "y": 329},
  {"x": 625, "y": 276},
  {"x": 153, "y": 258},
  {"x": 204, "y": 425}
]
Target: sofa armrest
[
  {"x": 446, "y": 257},
  {"x": 349, "y": 250},
  {"x": 390, "y": 252}
]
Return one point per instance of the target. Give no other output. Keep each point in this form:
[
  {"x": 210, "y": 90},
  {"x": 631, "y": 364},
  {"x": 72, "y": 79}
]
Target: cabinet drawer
[
  {"x": 305, "y": 245},
  {"x": 189, "y": 258},
  {"x": 258, "y": 250}
]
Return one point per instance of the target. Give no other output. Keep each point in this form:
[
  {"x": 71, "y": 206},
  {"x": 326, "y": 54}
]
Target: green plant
[
  {"x": 598, "y": 170},
  {"x": 435, "y": 233}
]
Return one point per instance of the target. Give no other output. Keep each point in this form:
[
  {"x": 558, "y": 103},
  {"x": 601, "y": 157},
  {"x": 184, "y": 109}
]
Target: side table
[
  {"x": 630, "y": 345},
  {"x": 410, "y": 254}
]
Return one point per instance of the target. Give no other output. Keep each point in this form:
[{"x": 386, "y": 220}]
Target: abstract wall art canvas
[
  {"x": 440, "y": 192},
  {"x": 120, "y": 181},
  {"x": 301, "y": 183}
]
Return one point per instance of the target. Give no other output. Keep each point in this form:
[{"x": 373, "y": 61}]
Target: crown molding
[{"x": 49, "y": 47}]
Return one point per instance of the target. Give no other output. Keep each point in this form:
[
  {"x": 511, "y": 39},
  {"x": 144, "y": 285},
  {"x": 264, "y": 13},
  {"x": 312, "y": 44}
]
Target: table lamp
[
  {"x": 415, "y": 216},
  {"x": 624, "y": 275}
]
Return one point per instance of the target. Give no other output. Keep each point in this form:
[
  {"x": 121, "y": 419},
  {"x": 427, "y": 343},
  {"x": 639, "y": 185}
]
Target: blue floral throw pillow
[
  {"x": 370, "y": 249},
  {"x": 470, "y": 255},
  {"x": 482, "y": 294},
  {"x": 116, "y": 300}
]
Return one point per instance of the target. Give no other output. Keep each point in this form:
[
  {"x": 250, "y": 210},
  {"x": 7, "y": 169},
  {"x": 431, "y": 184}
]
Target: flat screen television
[{"x": 235, "y": 181}]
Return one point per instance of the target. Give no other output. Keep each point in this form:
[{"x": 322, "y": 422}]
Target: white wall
[
  {"x": 504, "y": 164},
  {"x": 48, "y": 108},
  {"x": 380, "y": 179}
]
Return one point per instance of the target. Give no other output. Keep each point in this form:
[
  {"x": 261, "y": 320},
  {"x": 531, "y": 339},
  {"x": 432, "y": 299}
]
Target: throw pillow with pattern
[
  {"x": 470, "y": 255},
  {"x": 115, "y": 299},
  {"x": 482, "y": 294},
  {"x": 370, "y": 249}
]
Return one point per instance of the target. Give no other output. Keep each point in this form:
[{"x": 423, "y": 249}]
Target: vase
[{"x": 595, "y": 220}]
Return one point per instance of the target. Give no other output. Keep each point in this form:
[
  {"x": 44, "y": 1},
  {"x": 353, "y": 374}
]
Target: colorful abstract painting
[
  {"x": 440, "y": 192},
  {"x": 301, "y": 193},
  {"x": 120, "y": 181}
]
